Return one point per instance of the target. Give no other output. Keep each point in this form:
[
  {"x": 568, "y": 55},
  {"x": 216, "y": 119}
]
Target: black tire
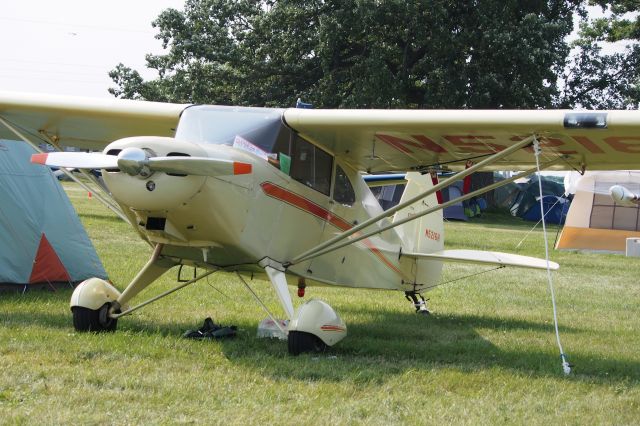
[
  {"x": 85, "y": 319},
  {"x": 300, "y": 341}
]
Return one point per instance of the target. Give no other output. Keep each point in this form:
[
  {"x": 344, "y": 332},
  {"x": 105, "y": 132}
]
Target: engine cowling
[{"x": 151, "y": 191}]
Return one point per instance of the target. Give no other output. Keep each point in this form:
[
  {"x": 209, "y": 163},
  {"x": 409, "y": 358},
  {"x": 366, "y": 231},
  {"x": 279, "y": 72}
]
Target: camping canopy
[
  {"x": 42, "y": 239},
  {"x": 595, "y": 221}
]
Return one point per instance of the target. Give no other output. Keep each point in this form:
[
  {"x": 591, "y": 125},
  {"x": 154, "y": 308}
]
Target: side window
[
  {"x": 343, "y": 191},
  {"x": 310, "y": 165}
]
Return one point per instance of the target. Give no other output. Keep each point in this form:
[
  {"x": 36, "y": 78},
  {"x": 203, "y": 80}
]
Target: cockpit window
[
  {"x": 343, "y": 191},
  {"x": 310, "y": 165},
  {"x": 261, "y": 132}
]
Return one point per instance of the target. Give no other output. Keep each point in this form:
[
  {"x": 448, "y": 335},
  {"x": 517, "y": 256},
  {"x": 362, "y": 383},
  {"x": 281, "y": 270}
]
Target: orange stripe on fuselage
[
  {"x": 332, "y": 328},
  {"x": 309, "y": 206}
]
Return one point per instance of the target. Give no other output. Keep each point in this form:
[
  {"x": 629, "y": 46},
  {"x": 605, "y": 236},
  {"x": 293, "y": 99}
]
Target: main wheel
[
  {"x": 85, "y": 319},
  {"x": 300, "y": 341}
]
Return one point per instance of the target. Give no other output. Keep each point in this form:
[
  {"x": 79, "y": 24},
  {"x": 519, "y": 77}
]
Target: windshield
[{"x": 223, "y": 125}]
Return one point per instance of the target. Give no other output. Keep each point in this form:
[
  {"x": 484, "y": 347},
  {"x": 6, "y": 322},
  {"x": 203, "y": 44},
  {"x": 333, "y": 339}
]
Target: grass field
[{"x": 486, "y": 356}]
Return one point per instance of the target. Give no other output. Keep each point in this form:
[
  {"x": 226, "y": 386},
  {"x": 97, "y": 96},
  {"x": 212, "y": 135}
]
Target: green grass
[{"x": 486, "y": 356}]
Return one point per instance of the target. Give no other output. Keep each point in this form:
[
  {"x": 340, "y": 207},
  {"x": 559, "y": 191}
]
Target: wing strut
[
  {"x": 320, "y": 251},
  {"x": 103, "y": 200},
  {"x": 336, "y": 246},
  {"x": 490, "y": 160}
]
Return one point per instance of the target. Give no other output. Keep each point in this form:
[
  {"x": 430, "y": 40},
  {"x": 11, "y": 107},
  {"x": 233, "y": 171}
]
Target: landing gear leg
[
  {"x": 418, "y": 302},
  {"x": 96, "y": 305},
  {"x": 314, "y": 326}
]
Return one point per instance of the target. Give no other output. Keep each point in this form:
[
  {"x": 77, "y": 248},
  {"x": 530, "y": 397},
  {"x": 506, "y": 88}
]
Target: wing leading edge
[
  {"x": 370, "y": 140},
  {"x": 401, "y": 140},
  {"x": 87, "y": 123}
]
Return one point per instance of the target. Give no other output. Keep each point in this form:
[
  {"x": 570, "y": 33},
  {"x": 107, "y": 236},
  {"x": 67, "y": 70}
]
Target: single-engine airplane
[{"x": 279, "y": 193}]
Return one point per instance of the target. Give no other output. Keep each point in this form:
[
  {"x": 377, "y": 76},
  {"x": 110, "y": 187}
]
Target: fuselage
[{"x": 296, "y": 197}]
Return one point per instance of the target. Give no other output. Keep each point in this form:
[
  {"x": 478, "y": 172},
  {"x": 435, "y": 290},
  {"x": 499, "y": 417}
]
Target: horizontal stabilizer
[{"x": 486, "y": 257}]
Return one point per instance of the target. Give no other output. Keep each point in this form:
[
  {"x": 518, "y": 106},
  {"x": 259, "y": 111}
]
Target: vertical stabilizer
[{"x": 425, "y": 234}]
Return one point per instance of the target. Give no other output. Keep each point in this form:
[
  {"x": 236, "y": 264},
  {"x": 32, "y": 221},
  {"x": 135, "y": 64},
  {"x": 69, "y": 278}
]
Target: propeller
[{"x": 135, "y": 162}]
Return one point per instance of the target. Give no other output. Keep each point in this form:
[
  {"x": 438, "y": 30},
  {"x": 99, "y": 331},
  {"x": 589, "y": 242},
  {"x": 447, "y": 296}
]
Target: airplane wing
[
  {"x": 88, "y": 123},
  {"x": 370, "y": 140},
  {"x": 401, "y": 140}
]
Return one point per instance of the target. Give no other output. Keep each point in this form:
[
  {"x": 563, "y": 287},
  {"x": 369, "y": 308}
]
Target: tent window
[
  {"x": 602, "y": 217},
  {"x": 625, "y": 218}
]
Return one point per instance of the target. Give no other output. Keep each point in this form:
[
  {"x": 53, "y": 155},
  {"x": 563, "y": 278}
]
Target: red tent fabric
[{"x": 47, "y": 266}]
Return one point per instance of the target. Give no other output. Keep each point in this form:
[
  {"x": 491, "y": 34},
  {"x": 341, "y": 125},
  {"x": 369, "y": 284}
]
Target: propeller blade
[
  {"x": 76, "y": 160},
  {"x": 132, "y": 161},
  {"x": 200, "y": 166}
]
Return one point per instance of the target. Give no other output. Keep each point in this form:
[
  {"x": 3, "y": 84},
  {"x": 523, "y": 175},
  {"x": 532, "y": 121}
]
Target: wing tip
[{"x": 39, "y": 158}]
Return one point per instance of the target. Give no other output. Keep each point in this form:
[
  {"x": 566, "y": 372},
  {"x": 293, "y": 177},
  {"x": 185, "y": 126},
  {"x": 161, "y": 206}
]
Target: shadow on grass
[
  {"x": 380, "y": 344},
  {"x": 396, "y": 343},
  {"x": 101, "y": 217}
]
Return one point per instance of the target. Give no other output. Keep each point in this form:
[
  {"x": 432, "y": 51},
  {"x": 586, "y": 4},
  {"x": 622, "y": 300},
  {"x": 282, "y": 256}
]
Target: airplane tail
[
  {"x": 426, "y": 234},
  {"x": 423, "y": 235},
  {"x": 423, "y": 251}
]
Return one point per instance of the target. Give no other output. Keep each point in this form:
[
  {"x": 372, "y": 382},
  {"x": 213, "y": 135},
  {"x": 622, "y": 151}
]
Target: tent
[
  {"x": 388, "y": 189},
  {"x": 555, "y": 210},
  {"x": 41, "y": 238},
  {"x": 595, "y": 221},
  {"x": 529, "y": 194},
  {"x": 504, "y": 196},
  {"x": 455, "y": 211}
]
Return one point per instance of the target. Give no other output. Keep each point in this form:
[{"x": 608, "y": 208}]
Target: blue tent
[
  {"x": 455, "y": 211},
  {"x": 41, "y": 238},
  {"x": 555, "y": 208}
]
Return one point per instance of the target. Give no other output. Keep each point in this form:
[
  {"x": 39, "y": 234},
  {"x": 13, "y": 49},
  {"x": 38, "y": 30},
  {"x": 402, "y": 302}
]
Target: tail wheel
[
  {"x": 300, "y": 341},
  {"x": 85, "y": 319}
]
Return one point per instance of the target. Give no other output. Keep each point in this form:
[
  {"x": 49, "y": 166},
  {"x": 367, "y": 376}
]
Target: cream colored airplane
[{"x": 279, "y": 193}]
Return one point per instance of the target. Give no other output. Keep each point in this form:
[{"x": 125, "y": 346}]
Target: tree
[
  {"x": 363, "y": 53},
  {"x": 598, "y": 80}
]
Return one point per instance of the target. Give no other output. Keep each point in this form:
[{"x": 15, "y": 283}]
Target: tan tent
[{"x": 594, "y": 221}]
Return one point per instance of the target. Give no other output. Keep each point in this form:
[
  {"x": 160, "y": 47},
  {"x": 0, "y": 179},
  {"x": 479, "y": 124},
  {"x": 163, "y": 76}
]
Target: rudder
[{"x": 425, "y": 234}]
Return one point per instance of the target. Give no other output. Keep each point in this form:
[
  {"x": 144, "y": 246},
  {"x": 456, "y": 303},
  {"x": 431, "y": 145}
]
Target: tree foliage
[
  {"x": 361, "y": 53},
  {"x": 596, "y": 78}
]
